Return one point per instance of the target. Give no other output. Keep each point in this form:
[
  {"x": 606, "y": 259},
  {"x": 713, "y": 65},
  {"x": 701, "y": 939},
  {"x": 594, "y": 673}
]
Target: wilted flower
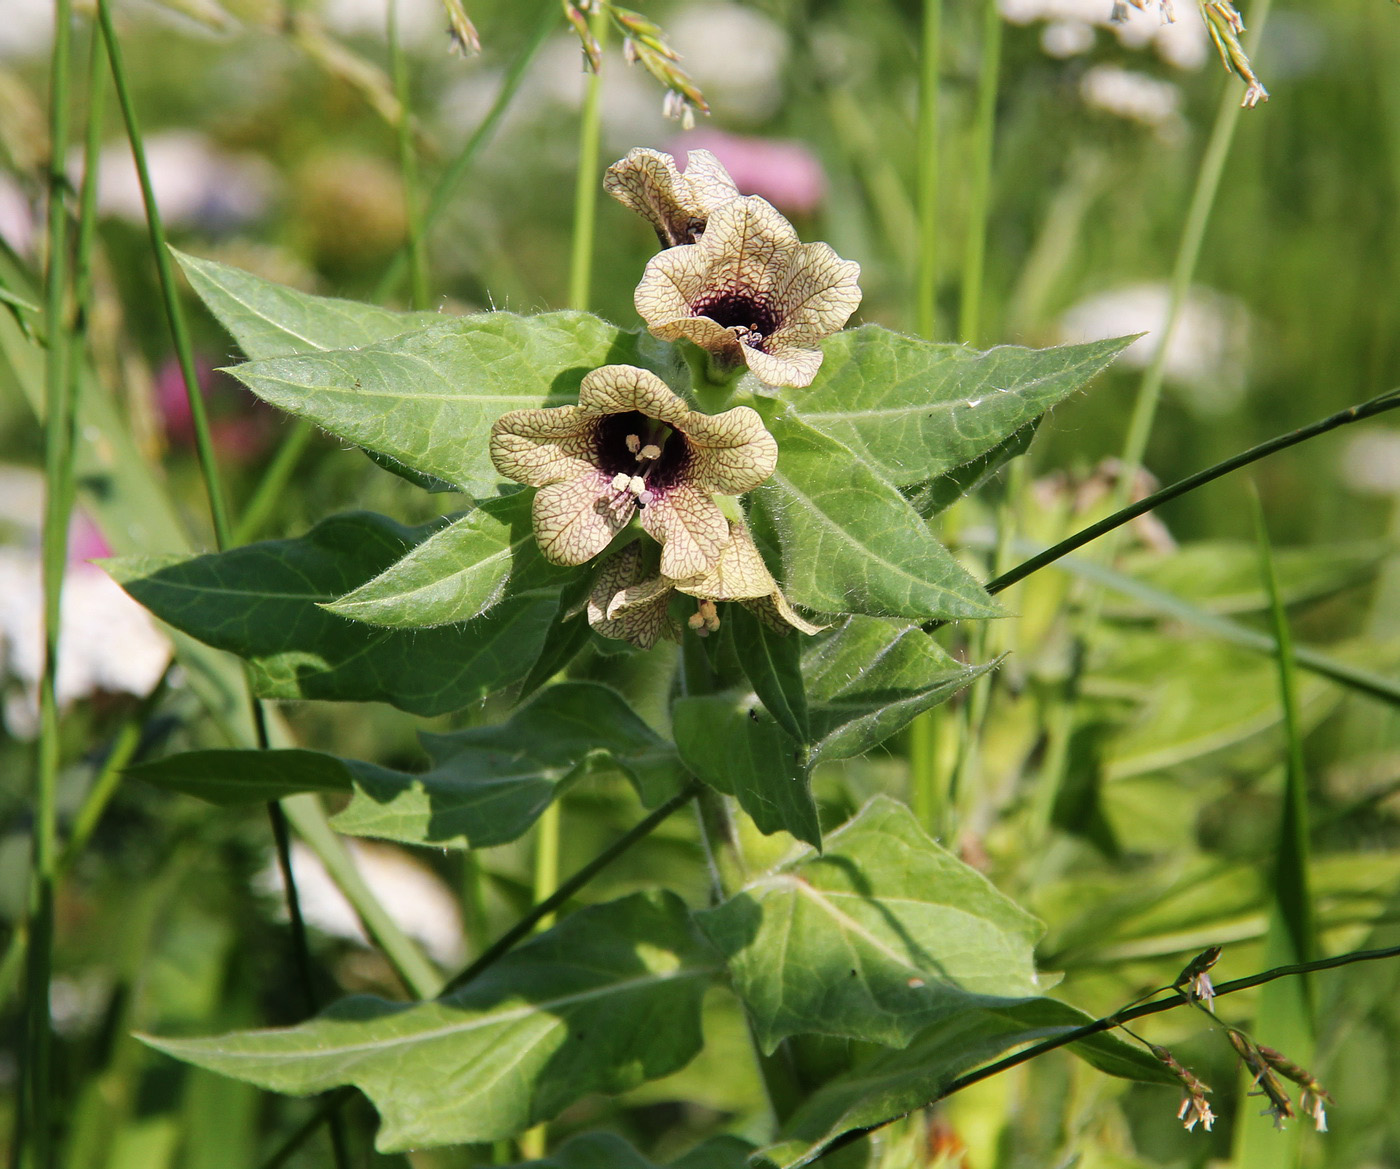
[
  {"x": 631, "y": 603},
  {"x": 751, "y": 293},
  {"x": 677, "y": 204},
  {"x": 631, "y": 443}
]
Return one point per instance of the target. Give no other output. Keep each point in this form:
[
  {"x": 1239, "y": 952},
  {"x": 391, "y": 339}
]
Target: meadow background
[{"x": 1124, "y": 775}]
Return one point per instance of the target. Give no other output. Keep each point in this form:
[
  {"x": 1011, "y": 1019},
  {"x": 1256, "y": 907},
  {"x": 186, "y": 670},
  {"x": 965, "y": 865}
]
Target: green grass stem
[
  {"x": 1284, "y": 1016},
  {"x": 408, "y": 167},
  {"x": 306, "y": 815},
  {"x": 1188, "y": 254},
  {"x": 35, "y": 1119},
  {"x": 926, "y": 192},
  {"x": 587, "y": 182},
  {"x": 447, "y": 185},
  {"x": 268, "y": 494},
  {"x": 170, "y": 295},
  {"x": 1290, "y": 882},
  {"x": 1370, "y": 408},
  {"x": 980, "y": 177},
  {"x": 927, "y": 732}
]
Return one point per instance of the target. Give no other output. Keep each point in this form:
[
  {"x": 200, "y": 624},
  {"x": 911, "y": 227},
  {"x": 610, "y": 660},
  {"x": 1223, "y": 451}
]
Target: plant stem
[
  {"x": 1097, "y": 1027},
  {"x": 1368, "y": 409},
  {"x": 461, "y": 165},
  {"x": 309, "y": 819},
  {"x": 1188, "y": 253},
  {"x": 984, "y": 134},
  {"x": 505, "y": 943},
  {"x": 526, "y": 925},
  {"x": 586, "y": 181},
  {"x": 408, "y": 168},
  {"x": 58, "y": 472},
  {"x": 170, "y": 295},
  {"x": 926, "y": 195}
]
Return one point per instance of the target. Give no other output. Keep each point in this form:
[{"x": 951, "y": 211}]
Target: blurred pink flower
[
  {"x": 784, "y": 172},
  {"x": 239, "y": 424}
]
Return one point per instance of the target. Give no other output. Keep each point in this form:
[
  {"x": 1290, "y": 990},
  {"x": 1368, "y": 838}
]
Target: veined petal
[
  {"x": 628, "y": 605},
  {"x": 576, "y": 519},
  {"x": 620, "y": 389},
  {"x": 818, "y": 294},
  {"x": 738, "y": 574},
  {"x": 730, "y": 452},
  {"x": 708, "y": 334},
  {"x": 775, "y": 612},
  {"x": 786, "y": 366},
  {"x": 677, "y": 205},
  {"x": 540, "y": 447},
  {"x": 690, "y": 528}
]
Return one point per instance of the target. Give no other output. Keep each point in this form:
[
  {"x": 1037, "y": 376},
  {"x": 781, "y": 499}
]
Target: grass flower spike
[
  {"x": 632, "y": 444},
  {"x": 750, "y": 292},
  {"x": 677, "y": 204}
]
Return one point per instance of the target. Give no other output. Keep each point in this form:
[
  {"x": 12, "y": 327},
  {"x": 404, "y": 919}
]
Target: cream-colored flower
[
  {"x": 632, "y": 603},
  {"x": 630, "y": 443},
  {"x": 677, "y": 204},
  {"x": 751, "y": 293}
]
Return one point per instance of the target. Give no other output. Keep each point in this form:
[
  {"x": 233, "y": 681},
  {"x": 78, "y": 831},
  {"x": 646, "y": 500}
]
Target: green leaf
[
  {"x": 879, "y": 936},
  {"x": 605, "y": 1000},
  {"x": 271, "y": 320},
  {"x": 487, "y": 786},
  {"x": 869, "y": 678},
  {"x": 914, "y": 409},
  {"x": 889, "y": 1084},
  {"x": 1222, "y": 576},
  {"x": 772, "y": 662},
  {"x": 428, "y": 399},
  {"x": 934, "y": 495},
  {"x": 263, "y": 603},
  {"x": 563, "y": 727},
  {"x": 732, "y": 743},
  {"x": 847, "y": 541},
  {"x": 458, "y": 573},
  {"x": 594, "y": 1150},
  {"x": 605, "y": 1150},
  {"x": 231, "y": 778}
]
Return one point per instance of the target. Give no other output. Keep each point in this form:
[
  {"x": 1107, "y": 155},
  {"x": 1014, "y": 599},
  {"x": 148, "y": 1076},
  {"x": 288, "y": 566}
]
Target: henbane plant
[{"x": 621, "y": 486}]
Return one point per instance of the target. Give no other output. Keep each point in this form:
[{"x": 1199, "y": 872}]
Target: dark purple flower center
[
  {"x": 621, "y": 442},
  {"x": 753, "y": 318}
]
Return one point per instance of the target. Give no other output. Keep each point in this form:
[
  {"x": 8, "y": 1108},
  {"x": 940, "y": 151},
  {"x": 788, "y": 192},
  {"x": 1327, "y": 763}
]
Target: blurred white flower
[
  {"x": 415, "y": 898},
  {"x": 18, "y": 220},
  {"x": 421, "y": 22},
  {"x": 1066, "y": 38},
  {"x": 1133, "y": 95},
  {"x": 196, "y": 183},
  {"x": 1184, "y": 42},
  {"x": 1370, "y": 462},
  {"x": 735, "y": 54},
  {"x": 1207, "y": 357},
  {"x": 109, "y": 643},
  {"x": 27, "y": 28}
]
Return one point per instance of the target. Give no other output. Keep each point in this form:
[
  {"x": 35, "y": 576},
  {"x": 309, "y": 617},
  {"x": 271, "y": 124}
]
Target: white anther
[
  {"x": 634, "y": 443},
  {"x": 650, "y": 451},
  {"x": 621, "y": 481}
]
